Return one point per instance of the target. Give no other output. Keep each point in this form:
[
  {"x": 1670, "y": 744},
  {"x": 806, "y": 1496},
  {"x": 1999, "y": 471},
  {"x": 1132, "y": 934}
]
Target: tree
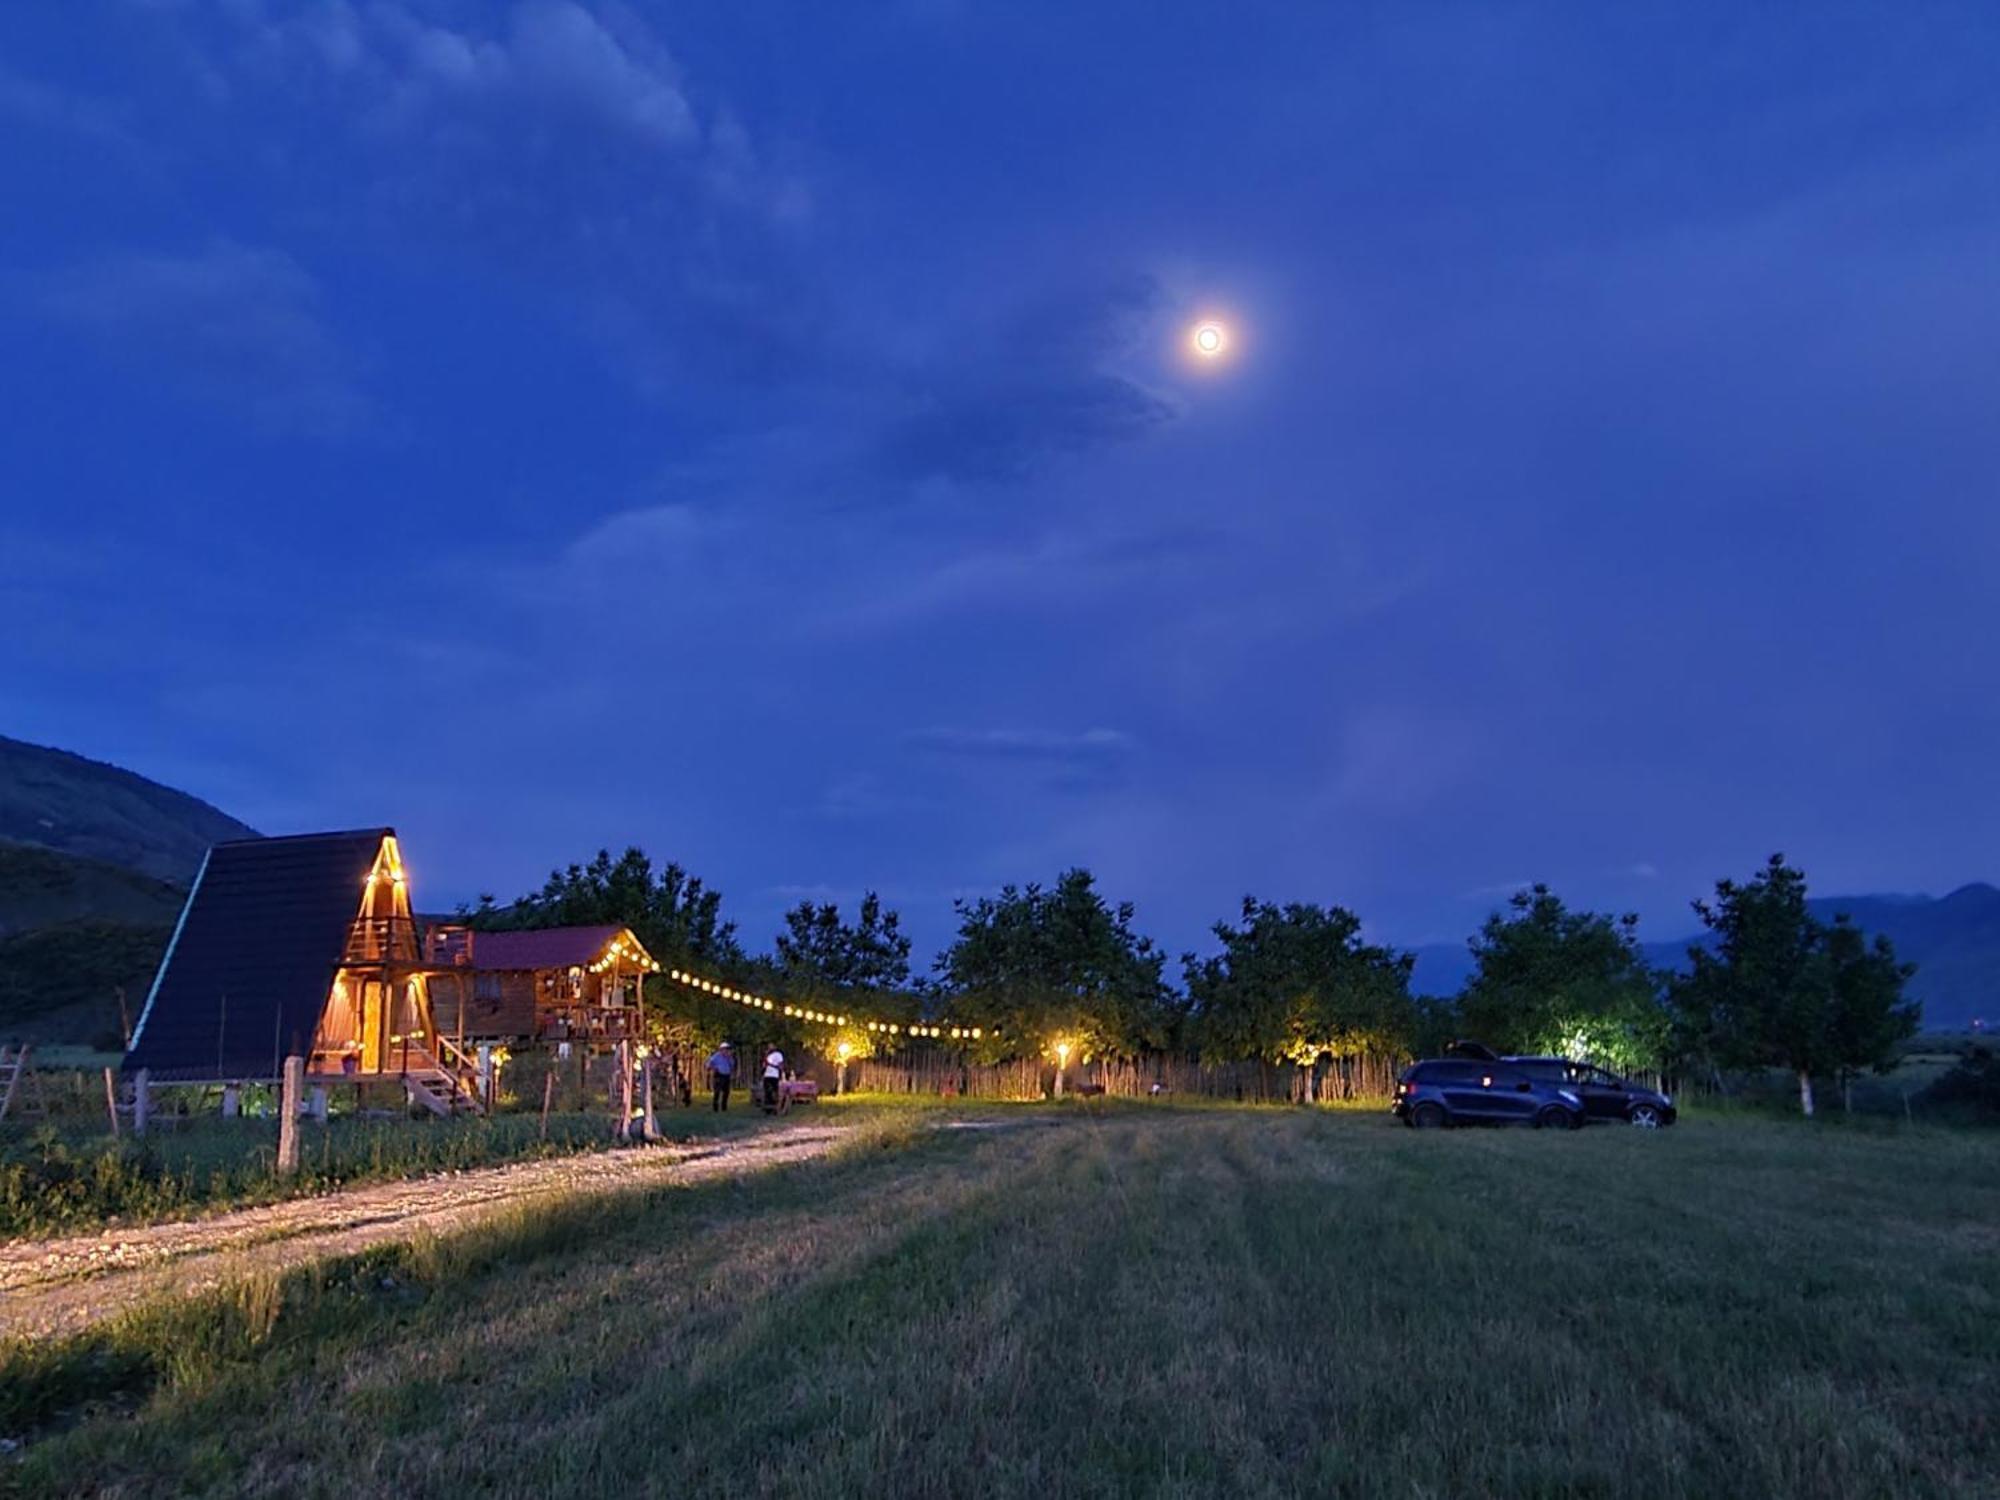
[
  {"x": 1870, "y": 1019},
  {"x": 1297, "y": 983},
  {"x": 1781, "y": 989},
  {"x": 676, "y": 917},
  {"x": 1038, "y": 964},
  {"x": 1548, "y": 979},
  {"x": 819, "y": 951}
]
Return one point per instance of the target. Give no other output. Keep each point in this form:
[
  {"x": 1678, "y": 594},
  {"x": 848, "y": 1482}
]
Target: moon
[{"x": 1210, "y": 339}]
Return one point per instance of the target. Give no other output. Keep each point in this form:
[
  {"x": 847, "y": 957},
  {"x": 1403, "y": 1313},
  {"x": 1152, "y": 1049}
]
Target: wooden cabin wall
[{"x": 507, "y": 1015}]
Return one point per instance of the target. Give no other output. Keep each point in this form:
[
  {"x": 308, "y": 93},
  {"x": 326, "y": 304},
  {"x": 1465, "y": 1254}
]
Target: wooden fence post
[
  {"x": 289, "y": 1102},
  {"x": 652, "y": 1126},
  {"x": 111, "y": 1100},
  {"x": 142, "y": 1100},
  {"x": 548, "y": 1098}
]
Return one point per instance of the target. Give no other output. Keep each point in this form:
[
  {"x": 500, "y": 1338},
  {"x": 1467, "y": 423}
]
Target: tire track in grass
[{"x": 50, "y": 1287}]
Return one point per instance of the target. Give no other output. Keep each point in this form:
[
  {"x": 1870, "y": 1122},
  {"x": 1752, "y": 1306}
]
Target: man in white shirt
[{"x": 774, "y": 1069}]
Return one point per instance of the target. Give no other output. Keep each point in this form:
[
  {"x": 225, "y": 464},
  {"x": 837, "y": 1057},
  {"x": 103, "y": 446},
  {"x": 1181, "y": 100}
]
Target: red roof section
[{"x": 541, "y": 947}]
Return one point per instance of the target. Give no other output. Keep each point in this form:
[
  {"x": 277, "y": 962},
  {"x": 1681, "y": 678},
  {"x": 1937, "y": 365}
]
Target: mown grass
[
  {"x": 1116, "y": 1300},
  {"x": 60, "y": 1179}
]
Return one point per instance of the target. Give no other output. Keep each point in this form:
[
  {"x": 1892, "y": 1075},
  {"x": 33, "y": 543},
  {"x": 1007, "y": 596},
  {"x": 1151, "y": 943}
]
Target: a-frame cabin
[{"x": 300, "y": 946}]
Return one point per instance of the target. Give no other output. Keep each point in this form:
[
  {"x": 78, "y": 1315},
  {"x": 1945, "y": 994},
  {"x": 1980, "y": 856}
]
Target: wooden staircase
[{"x": 446, "y": 1084}]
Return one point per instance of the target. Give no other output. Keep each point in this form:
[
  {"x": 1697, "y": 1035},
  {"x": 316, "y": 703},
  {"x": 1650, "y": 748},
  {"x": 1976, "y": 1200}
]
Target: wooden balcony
[
  {"x": 590, "y": 1023},
  {"x": 383, "y": 940}
]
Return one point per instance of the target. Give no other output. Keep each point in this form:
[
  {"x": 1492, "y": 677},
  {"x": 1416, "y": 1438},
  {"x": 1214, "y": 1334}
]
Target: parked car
[
  {"x": 1605, "y": 1095},
  {"x": 1466, "y": 1091}
]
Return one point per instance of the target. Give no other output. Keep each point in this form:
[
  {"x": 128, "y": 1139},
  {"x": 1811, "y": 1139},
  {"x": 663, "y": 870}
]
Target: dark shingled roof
[
  {"x": 248, "y": 971},
  {"x": 541, "y": 947}
]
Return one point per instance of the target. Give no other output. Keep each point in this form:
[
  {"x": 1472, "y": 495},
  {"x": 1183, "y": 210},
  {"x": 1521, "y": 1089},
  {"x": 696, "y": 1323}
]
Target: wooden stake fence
[{"x": 1334, "y": 1080}]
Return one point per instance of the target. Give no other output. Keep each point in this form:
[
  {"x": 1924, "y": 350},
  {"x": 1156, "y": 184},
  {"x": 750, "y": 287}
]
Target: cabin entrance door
[{"x": 373, "y": 1032}]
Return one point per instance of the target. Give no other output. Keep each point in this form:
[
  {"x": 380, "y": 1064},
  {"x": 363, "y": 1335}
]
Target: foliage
[
  {"x": 1971, "y": 1087},
  {"x": 1550, "y": 980},
  {"x": 1868, "y": 1020},
  {"x": 41, "y": 888},
  {"x": 78, "y": 962},
  {"x": 1037, "y": 964},
  {"x": 676, "y": 917},
  {"x": 819, "y": 950},
  {"x": 1783, "y": 989},
  {"x": 1296, "y": 983}
]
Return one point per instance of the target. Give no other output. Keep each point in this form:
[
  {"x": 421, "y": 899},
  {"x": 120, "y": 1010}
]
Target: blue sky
[{"x": 761, "y": 433}]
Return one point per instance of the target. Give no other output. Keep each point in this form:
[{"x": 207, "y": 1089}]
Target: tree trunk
[{"x": 1805, "y": 1093}]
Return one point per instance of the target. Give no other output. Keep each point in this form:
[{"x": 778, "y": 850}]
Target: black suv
[
  {"x": 1605, "y": 1095},
  {"x": 1467, "y": 1091}
]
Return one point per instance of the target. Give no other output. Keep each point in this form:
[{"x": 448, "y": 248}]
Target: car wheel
[
  {"x": 1647, "y": 1116},
  {"x": 1428, "y": 1116},
  {"x": 1552, "y": 1117}
]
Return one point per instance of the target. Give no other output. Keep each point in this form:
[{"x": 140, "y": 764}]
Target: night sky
[{"x": 767, "y": 434}]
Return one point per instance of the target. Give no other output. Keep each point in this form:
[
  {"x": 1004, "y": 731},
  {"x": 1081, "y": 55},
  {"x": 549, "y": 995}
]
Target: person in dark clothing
[{"x": 722, "y": 1071}]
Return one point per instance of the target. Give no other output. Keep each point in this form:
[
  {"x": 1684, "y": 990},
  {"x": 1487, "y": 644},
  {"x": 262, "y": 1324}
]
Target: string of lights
[
  {"x": 939, "y": 1030},
  {"x": 625, "y": 954}
]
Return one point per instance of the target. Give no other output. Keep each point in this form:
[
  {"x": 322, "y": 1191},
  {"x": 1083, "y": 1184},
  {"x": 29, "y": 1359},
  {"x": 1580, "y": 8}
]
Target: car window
[
  {"x": 1443, "y": 1072},
  {"x": 1549, "y": 1072}
]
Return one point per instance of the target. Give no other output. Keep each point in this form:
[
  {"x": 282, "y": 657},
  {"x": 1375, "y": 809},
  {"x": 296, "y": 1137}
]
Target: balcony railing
[
  {"x": 375, "y": 940},
  {"x": 590, "y": 1024},
  {"x": 448, "y": 947}
]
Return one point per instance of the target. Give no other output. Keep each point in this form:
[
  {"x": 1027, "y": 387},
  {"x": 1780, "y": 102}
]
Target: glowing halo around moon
[{"x": 1210, "y": 339}]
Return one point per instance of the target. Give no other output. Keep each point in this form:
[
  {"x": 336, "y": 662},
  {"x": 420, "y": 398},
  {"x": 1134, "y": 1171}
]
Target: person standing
[
  {"x": 722, "y": 1073},
  {"x": 774, "y": 1069}
]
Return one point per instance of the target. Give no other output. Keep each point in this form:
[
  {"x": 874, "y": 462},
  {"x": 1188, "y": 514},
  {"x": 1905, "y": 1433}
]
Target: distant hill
[
  {"x": 94, "y": 865},
  {"x": 83, "y": 807},
  {"x": 1953, "y": 940},
  {"x": 41, "y": 888}
]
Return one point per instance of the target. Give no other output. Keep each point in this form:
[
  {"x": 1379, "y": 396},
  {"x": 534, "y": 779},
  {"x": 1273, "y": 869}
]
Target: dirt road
[{"x": 61, "y": 1286}]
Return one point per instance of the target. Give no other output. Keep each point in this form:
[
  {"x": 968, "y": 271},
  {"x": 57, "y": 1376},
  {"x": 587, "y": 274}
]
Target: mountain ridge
[{"x": 66, "y": 802}]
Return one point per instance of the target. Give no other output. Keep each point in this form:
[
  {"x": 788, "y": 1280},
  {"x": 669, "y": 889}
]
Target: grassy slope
[
  {"x": 71, "y": 932},
  {"x": 40, "y": 888},
  {"x": 1139, "y": 1301}
]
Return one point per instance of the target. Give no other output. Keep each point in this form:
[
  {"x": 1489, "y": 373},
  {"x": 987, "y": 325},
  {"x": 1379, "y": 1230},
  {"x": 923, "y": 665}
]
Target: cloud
[
  {"x": 1090, "y": 746},
  {"x": 557, "y": 142},
  {"x": 36, "y": 103},
  {"x": 1042, "y": 385},
  {"x": 235, "y": 326},
  {"x": 1496, "y": 888},
  {"x": 552, "y": 55}
]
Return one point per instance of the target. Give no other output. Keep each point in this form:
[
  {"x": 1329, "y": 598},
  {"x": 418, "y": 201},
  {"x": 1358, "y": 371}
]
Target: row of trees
[{"x": 1773, "y": 986}]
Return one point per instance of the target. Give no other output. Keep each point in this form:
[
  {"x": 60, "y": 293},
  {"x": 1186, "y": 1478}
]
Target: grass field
[
  {"x": 71, "y": 1176},
  {"x": 1132, "y": 1300}
]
